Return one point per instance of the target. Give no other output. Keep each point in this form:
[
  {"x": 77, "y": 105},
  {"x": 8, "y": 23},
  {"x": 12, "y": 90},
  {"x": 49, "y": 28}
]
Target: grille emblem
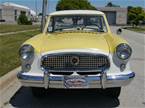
[{"x": 75, "y": 60}]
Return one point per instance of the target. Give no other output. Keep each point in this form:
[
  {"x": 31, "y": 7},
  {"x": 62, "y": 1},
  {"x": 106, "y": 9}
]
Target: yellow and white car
[{"x": 76, "y": 51}]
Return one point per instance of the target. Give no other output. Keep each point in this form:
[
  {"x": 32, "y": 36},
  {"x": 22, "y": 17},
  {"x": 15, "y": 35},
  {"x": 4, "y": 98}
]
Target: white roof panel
[{"x": 77, "y": 12}]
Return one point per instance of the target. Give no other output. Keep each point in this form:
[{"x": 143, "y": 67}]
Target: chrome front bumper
[{"x": 94, "y": 81}]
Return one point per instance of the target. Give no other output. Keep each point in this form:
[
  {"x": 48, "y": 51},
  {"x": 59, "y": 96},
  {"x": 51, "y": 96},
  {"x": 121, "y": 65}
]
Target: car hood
[{"x": 79, "y": 40}]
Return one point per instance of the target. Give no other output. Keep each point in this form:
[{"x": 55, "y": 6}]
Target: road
[{"x": 132, "y": 95}]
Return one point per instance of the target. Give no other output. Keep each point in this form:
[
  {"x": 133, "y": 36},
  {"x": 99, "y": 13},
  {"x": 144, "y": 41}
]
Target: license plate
[{"x": 75, "y": 82}]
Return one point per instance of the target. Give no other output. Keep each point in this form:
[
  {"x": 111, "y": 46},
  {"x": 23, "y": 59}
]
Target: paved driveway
[
  {"x": 131, "y": 96},
  {"x": 134, "y": 94}
]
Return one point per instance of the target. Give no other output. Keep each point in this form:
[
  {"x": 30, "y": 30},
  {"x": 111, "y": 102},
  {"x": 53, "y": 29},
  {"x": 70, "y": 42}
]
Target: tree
[
  {"x": 136, "y": 15},
  {"x": 74, "y": 5},
  {"x": 110, "y": 4},
  {"x": 24, "y": 20},
  {"x": 40, "y": 14}
]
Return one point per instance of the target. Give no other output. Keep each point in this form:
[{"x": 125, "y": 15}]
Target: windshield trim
[{"x": 83, "y": 15}]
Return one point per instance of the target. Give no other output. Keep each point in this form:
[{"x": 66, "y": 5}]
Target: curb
[{"x": 9, "y": 85}]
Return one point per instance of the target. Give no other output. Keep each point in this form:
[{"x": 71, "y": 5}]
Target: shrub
[{"x": 23, "y": 20}]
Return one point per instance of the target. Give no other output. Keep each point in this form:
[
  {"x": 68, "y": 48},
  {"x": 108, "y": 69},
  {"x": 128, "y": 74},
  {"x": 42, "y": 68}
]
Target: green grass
[
  {"x": 4, "y": 28},
  {"x": 137, "y": 29},
  {"x": 9, "y": 46}
]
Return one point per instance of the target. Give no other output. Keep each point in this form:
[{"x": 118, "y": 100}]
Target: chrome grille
[{"x": 63, "y": 62}]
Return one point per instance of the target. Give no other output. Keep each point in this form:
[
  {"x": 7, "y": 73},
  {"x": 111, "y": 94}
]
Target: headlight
[
  {"x": 123, "y": 51},
  {"x": 27, "y": 56},
  {"x": 26, "y": 52}
]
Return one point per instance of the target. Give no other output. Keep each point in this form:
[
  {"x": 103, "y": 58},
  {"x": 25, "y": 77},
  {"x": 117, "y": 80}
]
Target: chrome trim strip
[
  {"x": 104, "y": 81},
  {"x": 57, "y": 78},
  {"x": 121, "y": 77},
  {"x": 73, "y": 70},
  {"x": 21, "y": 76}
]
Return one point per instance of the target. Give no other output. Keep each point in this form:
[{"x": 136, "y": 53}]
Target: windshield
[{"x": 91, "y": 23}]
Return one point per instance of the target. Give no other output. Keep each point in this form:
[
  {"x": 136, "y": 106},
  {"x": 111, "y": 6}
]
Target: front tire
[
  {"x": 38, "y": 92},
  {"x": 113, "y": 92}
]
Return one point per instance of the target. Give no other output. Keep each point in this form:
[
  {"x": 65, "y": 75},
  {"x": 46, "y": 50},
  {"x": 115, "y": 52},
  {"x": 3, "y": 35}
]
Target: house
[{"x": 9, "y": 13}]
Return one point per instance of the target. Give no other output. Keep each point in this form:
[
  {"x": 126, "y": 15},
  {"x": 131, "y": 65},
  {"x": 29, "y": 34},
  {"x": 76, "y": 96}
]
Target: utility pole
[
  {"x": 36, "y": 7},
  {"x": 44, "y": 11}
]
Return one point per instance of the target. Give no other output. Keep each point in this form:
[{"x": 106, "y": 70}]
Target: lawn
[
  {"x": 13, "y": 28},
  {"x": 9, "y": 46},
  {"x": 137, "y": 29}
]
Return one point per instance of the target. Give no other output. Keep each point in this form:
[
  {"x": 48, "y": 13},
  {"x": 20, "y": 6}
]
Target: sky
[{"x": 52, "y": 3}]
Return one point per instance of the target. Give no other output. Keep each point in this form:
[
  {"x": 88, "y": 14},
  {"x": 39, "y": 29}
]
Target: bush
[
  {"x": 23, "y": 20},
  {"x": 29, "y": 23}
]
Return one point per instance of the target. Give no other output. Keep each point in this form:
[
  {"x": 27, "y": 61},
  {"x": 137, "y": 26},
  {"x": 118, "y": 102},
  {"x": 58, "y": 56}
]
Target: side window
[
  {"x": 104, "y": 28},
  {"x": 50, "y": 28}
]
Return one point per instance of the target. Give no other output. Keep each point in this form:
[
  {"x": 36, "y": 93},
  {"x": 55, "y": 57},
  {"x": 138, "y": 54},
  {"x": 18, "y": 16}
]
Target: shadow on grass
[{"x": 63, "y": 99}]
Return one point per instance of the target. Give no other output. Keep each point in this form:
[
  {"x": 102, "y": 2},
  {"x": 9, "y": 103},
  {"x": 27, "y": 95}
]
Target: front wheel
[
  {"x": 113, "y": 92},
  {"x": 38, "y": 92}
]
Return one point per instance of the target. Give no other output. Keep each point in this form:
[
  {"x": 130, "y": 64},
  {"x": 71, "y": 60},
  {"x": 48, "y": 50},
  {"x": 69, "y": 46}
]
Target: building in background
[
  {"x": 115, "y": 15},
  {"x": 9, "y": 13}
]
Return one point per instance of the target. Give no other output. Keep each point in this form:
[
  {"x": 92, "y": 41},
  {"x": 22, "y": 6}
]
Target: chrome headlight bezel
[
  {"x": 123, "y": 51},
  {"x": 26, "y": 52}
]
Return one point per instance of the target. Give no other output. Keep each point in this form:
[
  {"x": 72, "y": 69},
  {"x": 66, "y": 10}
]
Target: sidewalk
[
  {"x": 9, "y": 85},
  {"x": 10, "y": 33}
]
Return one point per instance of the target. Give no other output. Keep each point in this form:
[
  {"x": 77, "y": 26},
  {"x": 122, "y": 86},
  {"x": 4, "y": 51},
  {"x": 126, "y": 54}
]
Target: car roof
[{"x": 77, "y": 12}]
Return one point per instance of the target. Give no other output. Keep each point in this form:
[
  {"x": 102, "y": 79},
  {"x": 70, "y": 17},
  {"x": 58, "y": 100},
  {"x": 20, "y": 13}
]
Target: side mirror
[{"x": 119, "y": 31}]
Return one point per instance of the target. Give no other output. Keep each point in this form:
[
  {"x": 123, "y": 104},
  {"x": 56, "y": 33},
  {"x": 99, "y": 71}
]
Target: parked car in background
[{"x": 76, "y": 51}]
